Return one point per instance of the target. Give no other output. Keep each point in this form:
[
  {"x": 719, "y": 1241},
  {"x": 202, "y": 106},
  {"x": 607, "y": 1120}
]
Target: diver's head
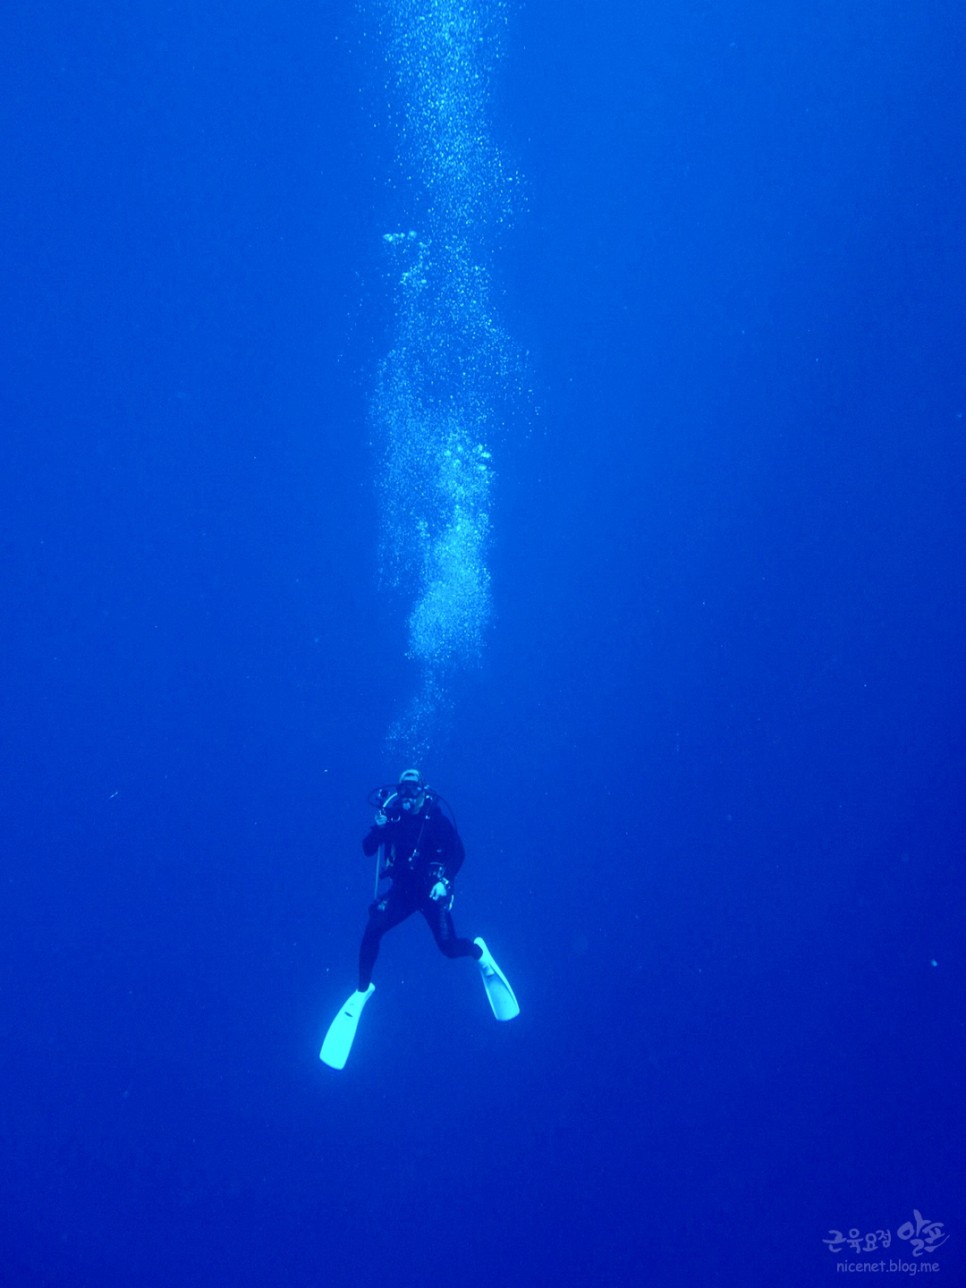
[{"x": 411, "y": 791}]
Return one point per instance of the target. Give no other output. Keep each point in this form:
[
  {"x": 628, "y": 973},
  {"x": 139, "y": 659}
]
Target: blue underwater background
[{"x": 710, "y": 763}]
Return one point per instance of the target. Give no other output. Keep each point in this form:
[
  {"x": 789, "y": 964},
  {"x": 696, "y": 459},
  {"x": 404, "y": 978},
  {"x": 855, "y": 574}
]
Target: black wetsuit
[{"x": 420, "y": 850}]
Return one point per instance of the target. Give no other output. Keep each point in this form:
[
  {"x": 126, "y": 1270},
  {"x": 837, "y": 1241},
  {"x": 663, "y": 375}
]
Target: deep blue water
[{"x": 711, "y": 769}]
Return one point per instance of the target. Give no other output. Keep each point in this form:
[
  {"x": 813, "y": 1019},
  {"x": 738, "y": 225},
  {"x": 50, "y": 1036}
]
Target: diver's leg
[
  {"x": 383, "y": 915},
  {"x": 440, "y": 921}
]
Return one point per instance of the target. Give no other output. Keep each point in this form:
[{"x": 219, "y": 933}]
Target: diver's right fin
[
  {"x": 502, "y": 998},
  {"x": 342, "y": 1030}
]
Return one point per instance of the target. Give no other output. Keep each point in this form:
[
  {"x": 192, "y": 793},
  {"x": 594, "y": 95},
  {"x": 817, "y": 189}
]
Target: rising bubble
[{"x": 436, "y": 404}]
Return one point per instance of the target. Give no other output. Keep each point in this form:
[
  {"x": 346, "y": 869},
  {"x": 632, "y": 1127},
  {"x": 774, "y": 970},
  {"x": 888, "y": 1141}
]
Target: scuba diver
[{"x": 419, "y": 850}]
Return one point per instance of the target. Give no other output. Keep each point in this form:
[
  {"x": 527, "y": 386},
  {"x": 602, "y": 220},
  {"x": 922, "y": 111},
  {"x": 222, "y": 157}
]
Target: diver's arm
[{"x": 453, "y": 851}]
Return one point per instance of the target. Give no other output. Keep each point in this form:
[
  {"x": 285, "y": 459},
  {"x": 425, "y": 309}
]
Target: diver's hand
[
  {"x": 439, "y": 891},
  {"x": 380, "y": 819}
]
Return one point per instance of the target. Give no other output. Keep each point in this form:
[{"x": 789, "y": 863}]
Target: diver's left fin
[{"x": 342, "y": 1030}]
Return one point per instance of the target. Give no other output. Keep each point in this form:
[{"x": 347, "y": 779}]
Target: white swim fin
[
  {"x": 342, "y": 1030},
  {"x": 502, "y": 999}
]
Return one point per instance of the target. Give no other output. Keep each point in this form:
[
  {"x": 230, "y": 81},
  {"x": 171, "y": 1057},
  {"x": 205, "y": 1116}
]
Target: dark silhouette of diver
[{"x": 420, "y": 852}]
